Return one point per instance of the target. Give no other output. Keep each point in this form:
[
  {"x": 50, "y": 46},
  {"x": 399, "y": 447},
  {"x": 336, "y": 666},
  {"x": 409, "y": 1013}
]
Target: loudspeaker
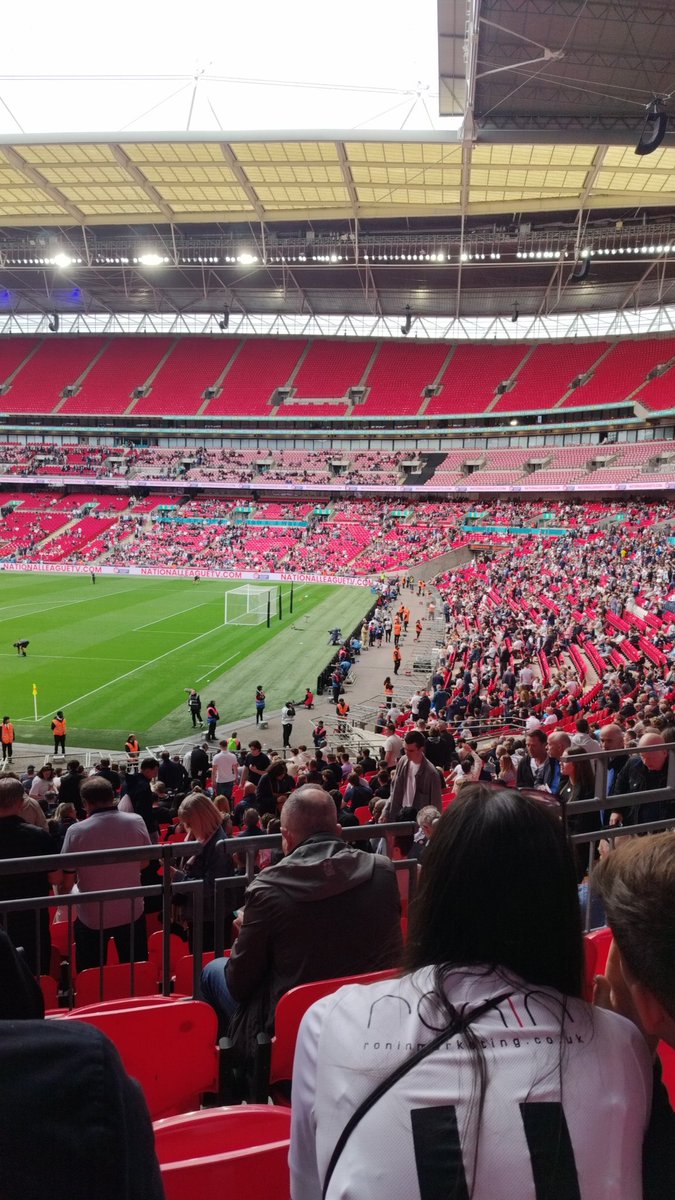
[{"x": 654, "y": 129}]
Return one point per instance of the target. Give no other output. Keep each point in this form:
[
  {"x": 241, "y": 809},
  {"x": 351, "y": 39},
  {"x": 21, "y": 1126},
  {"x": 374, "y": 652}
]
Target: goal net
[{"x": 247, "y": 605}]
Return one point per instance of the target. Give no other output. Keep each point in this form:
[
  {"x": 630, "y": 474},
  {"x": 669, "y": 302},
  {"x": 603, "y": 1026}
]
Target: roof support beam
[
  {"x": 144, "y": 184},
  {"x": 243, "y": 181},
  {"x": 35, "y": 177},
  {"x": 348, "y": 178},
  {"x": 468, "y": 130}
]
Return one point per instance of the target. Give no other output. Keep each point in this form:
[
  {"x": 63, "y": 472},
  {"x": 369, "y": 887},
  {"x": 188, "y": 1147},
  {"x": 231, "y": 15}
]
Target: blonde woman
[{"x": 203, "y": 823}]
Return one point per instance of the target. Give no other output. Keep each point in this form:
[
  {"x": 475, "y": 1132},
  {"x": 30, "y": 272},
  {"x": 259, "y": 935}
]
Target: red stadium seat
[
  {"x": 240, "y": 1153},
  {"x": 177, "y": 950},
  {"x": 596, "y": 950},
  {"x": 274, "y": 1061},
  {"x": 169, "y": 1046},
  {"x": 183, "y": 974},
  {"x": 363, "y": 814},
  {"x": 114, "y": 982}
]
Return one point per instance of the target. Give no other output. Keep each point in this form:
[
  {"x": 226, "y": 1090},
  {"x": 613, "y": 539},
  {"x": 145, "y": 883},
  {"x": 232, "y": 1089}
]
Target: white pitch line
[
  {"x": 221, "y": 664},
  {"x": 159, "y": 620},
  {"x": 48, "y": 607},
  {"x": 141, "y": 667},
  {"x": 69, "y": 657}
]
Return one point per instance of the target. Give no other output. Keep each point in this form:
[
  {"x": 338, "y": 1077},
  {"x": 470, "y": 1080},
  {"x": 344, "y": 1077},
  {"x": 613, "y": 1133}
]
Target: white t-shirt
[
  {"x": 526, "y": 676},
  {"x": 595, "y": 1075},
  {"x": 224, "y": 767},
  {"x": 392, "y": 747}
]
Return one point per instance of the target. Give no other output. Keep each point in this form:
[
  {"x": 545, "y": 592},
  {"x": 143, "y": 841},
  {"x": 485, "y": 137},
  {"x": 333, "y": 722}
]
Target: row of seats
[{"x": 245, "y": 374}]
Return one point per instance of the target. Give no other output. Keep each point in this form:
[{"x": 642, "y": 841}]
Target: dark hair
[
  {"x": 511, "y": 851},
  {"x": 149, "y": 764},
  {"x": 583, "y": 784},
  {"x": 539, "y": 735}
]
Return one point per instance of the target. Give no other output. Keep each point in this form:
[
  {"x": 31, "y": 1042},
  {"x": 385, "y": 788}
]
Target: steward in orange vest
[
  {"x": 7, "y": 734},
  {"x": 59, "y": 732},
  {"x": 132, "y": 747}
]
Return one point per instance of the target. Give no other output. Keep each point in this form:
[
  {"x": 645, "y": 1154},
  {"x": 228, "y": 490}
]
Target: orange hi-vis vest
[
  {"x": 132, "y": 746},
  {"x": 59, "y": 727},
  {"x": 7, "y": 733}
]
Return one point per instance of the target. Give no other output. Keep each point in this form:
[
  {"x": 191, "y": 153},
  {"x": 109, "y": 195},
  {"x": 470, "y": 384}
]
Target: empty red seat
[{"x": 168, "y": 1046}]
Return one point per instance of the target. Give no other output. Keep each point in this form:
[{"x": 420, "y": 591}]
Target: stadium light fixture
[
  {"x": 654, "y": 127},
  {"x": 62, "y": 260},
  {"x": 151, "y": 260},
  {"x": 246, "y": 259}
]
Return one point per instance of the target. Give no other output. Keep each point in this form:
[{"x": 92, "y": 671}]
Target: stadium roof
[
  {"x": 555, "y": 70},
  {"x": 205, "y": 178}
]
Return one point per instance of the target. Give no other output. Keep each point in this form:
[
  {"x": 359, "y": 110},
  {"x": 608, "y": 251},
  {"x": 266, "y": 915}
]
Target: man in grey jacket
[
  {"x": 417, "y": 783},
  {"x": 324, "y": 911}
]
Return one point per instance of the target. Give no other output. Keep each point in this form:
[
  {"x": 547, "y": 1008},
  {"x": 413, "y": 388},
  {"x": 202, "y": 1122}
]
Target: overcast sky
[{"x": 350, "y": 47}]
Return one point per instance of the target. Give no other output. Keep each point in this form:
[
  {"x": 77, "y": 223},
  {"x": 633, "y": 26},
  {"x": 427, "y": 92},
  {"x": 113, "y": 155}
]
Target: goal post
[{"x": 248, "y": 604}]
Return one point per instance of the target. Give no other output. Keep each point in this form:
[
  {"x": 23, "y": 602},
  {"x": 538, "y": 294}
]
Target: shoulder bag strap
[{"x": 457, "y": 1025}]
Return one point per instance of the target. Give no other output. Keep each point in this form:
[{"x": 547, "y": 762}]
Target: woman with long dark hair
[{"x": 481, "y": 1072}]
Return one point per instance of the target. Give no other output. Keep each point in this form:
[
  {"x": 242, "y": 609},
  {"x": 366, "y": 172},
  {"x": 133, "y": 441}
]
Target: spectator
[
  {"x": 137, "y": 794},
  {"x": 299, "y": 920},
  {"x": 203, "y": 823},
  {"x": 646, "y": 772},
  {"x": 18, "y": 839},
  {"x": 459, "y": 1008},
  {"x": 416, "y": 783},
  {"x": 106, "y": 829}
]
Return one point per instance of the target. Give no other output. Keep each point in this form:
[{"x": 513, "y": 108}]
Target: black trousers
[
  {"x": 60, "y": 743},
  {"x": 88, "y": 943},
  {"x": 286, "y": 732}
]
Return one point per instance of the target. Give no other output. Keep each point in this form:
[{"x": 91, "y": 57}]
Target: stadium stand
[
  {"x": 472, "y": 377},
  {"x": 260, "y": 366},
  {"x": 399, "y": 374},
  {"x": 39, "y": 384},
  {"x": 547, "y": 374},
  {"x": 193, "y": 365},
  {"x": 621, "y": 371},
  {"x": 125, "y": 365}
]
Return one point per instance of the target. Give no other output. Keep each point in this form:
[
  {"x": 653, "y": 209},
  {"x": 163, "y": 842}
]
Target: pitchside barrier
[{"x": 190, "y": 573}]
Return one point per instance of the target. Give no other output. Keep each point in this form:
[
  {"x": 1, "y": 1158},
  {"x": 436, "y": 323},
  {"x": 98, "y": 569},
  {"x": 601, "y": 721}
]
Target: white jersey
[{"x": 583, "y": 1090}]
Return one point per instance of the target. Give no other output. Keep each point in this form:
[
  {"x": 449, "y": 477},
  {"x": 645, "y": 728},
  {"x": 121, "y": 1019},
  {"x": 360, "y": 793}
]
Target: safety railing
[{"x": 167, "y": 890}]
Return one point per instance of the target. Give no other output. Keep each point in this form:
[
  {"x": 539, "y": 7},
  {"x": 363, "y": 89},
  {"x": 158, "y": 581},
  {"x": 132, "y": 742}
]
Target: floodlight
[
  {"x": 62, "y": 260},
  {"x": 246, "y": 259},
  {"x": 151, "y": 260},
  {"x": 654, "y": 128}
]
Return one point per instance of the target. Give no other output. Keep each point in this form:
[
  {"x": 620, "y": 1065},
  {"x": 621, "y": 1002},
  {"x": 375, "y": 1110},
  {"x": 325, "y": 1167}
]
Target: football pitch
[{"x": 117, "y": 655}]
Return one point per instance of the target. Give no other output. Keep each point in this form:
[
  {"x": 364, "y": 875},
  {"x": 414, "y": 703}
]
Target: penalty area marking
[
  {"x": 159, "y": 620},
  {"x": 141, "y": 667},
  {"x": 222, "y": 664}
]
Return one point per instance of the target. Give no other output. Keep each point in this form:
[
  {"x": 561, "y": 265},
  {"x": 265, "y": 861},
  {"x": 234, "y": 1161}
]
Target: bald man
[
  {"x": 646, "y": 771},
  {"x": 611, "y": 737},
  {"x": 324, "y": 911}
]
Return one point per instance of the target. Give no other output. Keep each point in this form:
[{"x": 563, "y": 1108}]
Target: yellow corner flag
[
  {"x": 35, "y": 712},
  {"x": 35, "y": 689}
]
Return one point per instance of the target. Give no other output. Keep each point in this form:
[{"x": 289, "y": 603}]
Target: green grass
[{"x": 117, "y": 656}]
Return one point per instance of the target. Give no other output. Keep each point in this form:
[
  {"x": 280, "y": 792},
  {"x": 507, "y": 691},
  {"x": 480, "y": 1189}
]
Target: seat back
[
  {"x": 170, "y": 1048},
  {"x": 363, "y": 814},
  {"x": 184, "y": 968},
  {"x": 220, "y": 1131},
  {"x": 115, "y": 983},
  {"x": 246, "y": 1174},
  {"x": 596, "y": 950},
  {"x": 291, "y": 1009}
]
